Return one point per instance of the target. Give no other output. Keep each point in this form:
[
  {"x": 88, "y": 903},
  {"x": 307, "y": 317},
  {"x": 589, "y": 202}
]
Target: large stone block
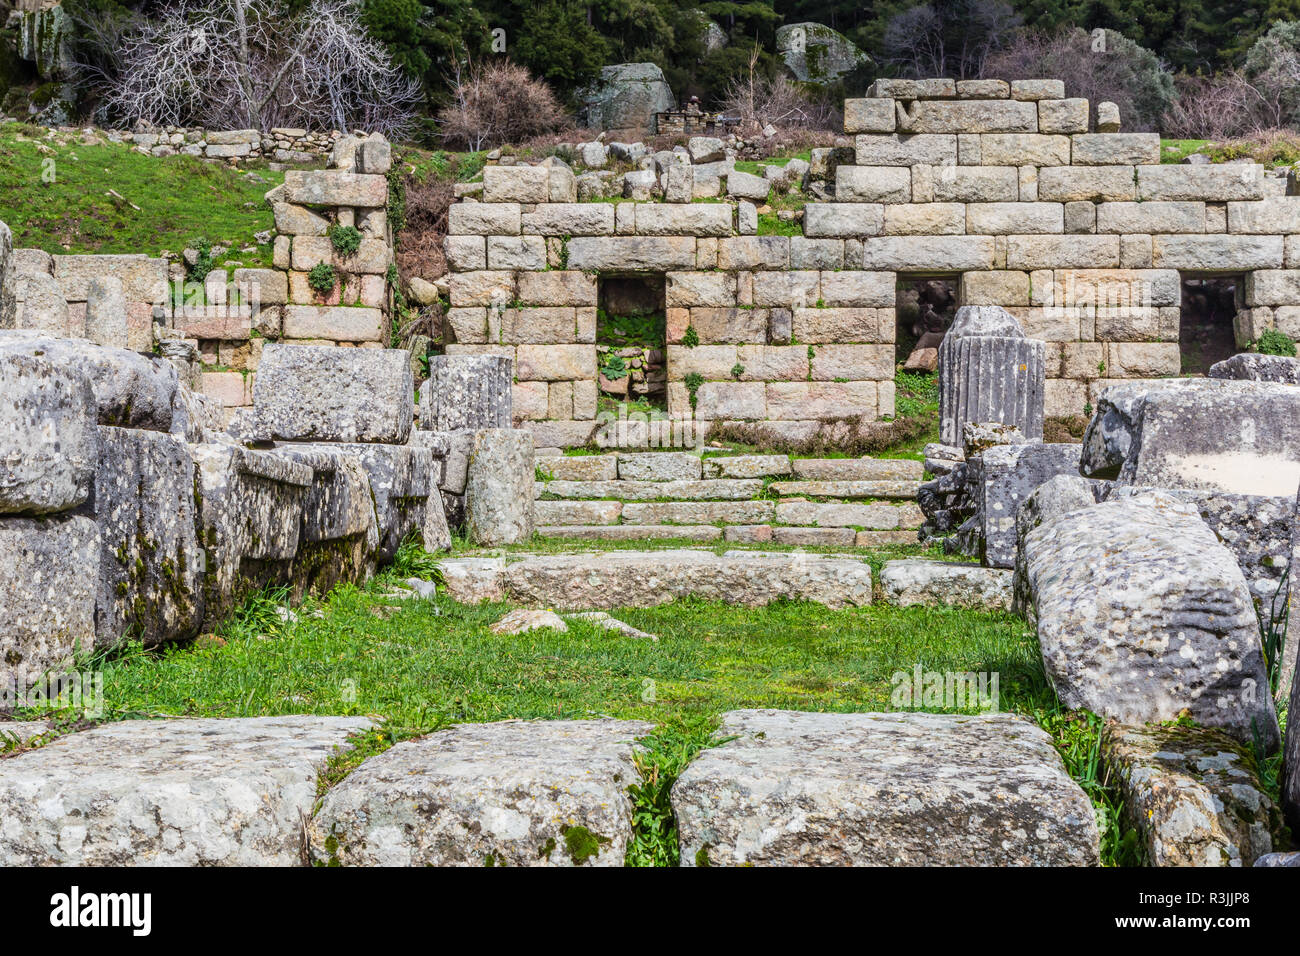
[
  {"x": 928, "y": 253},
  {"x": 986, "y": 184},
  {"x": 1008, "y": 475},
  {"x": 151, "y": 565},
  {"x": 968, "y": 116},
  {"x": 569, "y": 219},
  {"x": 467, "y": 391},
  {"x": 806, "y": 789},
  {"x": 494, "y": 218},
  {"x": 1086, "y": 183},
  {"x": 516, "y": 184},
  {"x": 1007, "y": 218},
  {"x": 1277, "y": 215},
  {"x": 320, "y": 393},
  {"x": 339, "y": 323},
  {"x": 172, "y": 792},
  {"x": 329, "y": 187},
  {"x": 47, "y": 580},
  {"x": 131, "y": 390},
  {"x": 1023, "y": 149},
  {"x": 1106, "y": 149},
  {"x": 1215, "y": 183},
  {"x": 48, "y": 437},
  {"x": 924, "y": 219},
  {"x": 513, "y": 793},
  {"x": 892, "y": 184},
  {"x": 842, "y": 219},
  {"x": 1143, "y": 614},
  {"x": 143, "y": 279},
  {"x": 899, "y": 150},
  {"x": 869, "y": 115},
  {"x": 499, "y": 487},
  {"x": 1062, "y": 252},
  {"x": 1252, "y": 366},
  {"x": 689, "y": 219},
  {"x": 636, "y": 253},
  {"x": 1216, "y": 253},
  {"x": 1151, "y": 218}
]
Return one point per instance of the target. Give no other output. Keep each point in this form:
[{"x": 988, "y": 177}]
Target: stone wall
[
  {"x": 215, "y": 331},
  {"x": 281, "y": 145},
  {"x": 1083, "y": 235}
]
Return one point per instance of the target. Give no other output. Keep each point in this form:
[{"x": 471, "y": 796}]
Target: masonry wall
[{"x": 1082, "y": 234}]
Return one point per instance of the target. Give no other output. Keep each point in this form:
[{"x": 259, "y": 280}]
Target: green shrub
[
  {"x": 203, "y": 262},
  {"x": 345, "y": 239},
  {"x": 690, "y": 338},
  {"x": 693, "y": 381},
  {"x": 1273, "y": 342},
  {"x": 322, "y": 278}
]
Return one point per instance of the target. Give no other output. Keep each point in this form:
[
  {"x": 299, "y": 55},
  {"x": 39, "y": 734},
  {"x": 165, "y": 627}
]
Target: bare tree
[
  {"x": 950, "y": 38},
  {"x": 253, "y": 64},
  {"x": 497, "y": 102},
  {"x": 757, "y": 100}
]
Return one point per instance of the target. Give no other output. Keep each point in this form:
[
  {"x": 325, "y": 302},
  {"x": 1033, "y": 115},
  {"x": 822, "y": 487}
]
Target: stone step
[
  {"x": 882, "y": 789},
  {"x": 891, "y": 488},
  {"x": 509, "y": 793},
  {"x": 578, "y": 467},
  {"x": 747, "y": 466},
  {"x": 632, "y": 532},
  {"x": 597, "y": 581},
  {"x": 720, "y": 489},
  {"x": 857, "y": 469},
  {"x": 918, "y": 581},
  {"x": 699, "y": 512},
  {"x": 876, "y": 517},
  {"x": 204, "y": 792},
  {"x": 577, "y": 512}
]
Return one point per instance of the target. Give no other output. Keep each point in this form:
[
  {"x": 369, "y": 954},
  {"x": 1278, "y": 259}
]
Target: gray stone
[
  {"x": 658, "y": 466},
  {"x": 941, "y": 584},
  {"x": 47, "y": 580},
  {"x": 106, "y": 312},
  {"x": 815, "y": 53},
  {"x": 22, "y": 732},
  {"x": 498, "y": 489},
  {"x": 452, "y": 449},
  {"x": 151, "y": 565},
  {"x": 1007, "y": 475},
  {"x": 1258, "y": 368},
  {"x": 1193, "y": 794},
  {"x": 989, "y": 372},
  {"x": 747, "y": 186},
  {"x": 322, "y": 393},
  {"x": 48, "y": 438},
  {"x": 627, "y": 96},
  {"x": 513, "y": 793},
  {"x": 522, "y": 620},
  {"x": 467, "y": 391},
  {"x": 1142, "y": 614},
  {"x": 169, "y": 792},
  {"x": 1291, "y": 761},
  {"x": 1279, "y": 859},
  {"x": 435, "y": 532},
  {"x": 472, "y": 580},
  {"x": 599, "y": 581},
  {"x": 1056, "y": 496},
  {"x": 704, "y": 490},
  {"x": 8, "y": 303},
  {"x": 39, "y": 305},
  {"x": 881, "y": 789},
  {"x": 131, "y": 390}
]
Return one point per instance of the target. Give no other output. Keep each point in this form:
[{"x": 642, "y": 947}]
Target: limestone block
[
  {"x": 924, "y": 219},
  {"x": 754, "y": 253},
  {"x": 900, "y": 150},
  {"x": 1022, "y": 149},
  {"x": 975, "y": 184},
  {"x": 1063, "y": 116},
  {"x": 1007, "y": 218},
  {"x": 692, "y": 219},
  {"x": 1217, "y": 253},
  {"x": 685, "y": 289},
  {"x": 339, "y": 323},
  {"x": 967, "y": 116},
  {"x": 1001, "y": 287},
  {"x": 869, "y": 115},
  {"x": 1151, "y": 217},
  {"x": 1086, "y": 183},
  {"x": 557, "y": 287},
  {"x": 842, "y": 325},
  {"x": 567, "y": 219},
  {"x": 1038, "y": 89},
  {"x": 1108, "y": 149},
  {"x": 328, "y": 187},
  {"x": 928, "y": 253},
  {"x": 516, "y": 252},
  {"x": 1276, "y": 215},
  {"x": 873, "y": 184},
  {"x": 795, "y": 401},
  {"x": 494, "y": 288},
  {"x": 825, "y": 254},
  {"x": 636, "y": 253},
  {"x": 1062, "y": 252},
  {"x": 1215, "y": 183},
  {"x": 491, "y": 218},
  {"x": 499, "y": 486},
  {"x": 555, "y": 363},
  {"x": 853, "y": 362},
  {"x": 516, "y": 184},
  {"x": 856, "y": 288}
]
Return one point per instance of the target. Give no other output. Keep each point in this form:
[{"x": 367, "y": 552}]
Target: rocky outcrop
[
  {"x": 815, "y": 53},
  {"x": 883, "y": 790},
  {"x": 627, "y": 96}
]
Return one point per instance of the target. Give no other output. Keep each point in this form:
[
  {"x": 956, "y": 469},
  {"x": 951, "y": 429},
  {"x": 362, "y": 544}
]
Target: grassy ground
[
  {"x": 65, "y": 196},
  {"x": 422, "y": 665}
]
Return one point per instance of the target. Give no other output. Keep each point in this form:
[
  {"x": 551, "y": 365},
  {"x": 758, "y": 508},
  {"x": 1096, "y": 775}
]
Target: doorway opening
[
  {"x": 924, "y": 308},
  {"x": 1206, "y": 319},
  {"x": 631, "y": 341}
]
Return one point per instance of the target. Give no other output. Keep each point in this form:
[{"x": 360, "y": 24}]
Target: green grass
[
  {"x": 1175, "y": 150},
  {"x": 180, "y": 198}
]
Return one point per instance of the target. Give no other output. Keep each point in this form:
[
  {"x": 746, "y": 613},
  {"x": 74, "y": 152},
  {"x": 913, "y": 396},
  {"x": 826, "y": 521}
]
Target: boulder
[
  {"x": 1254, "y": 367},
  {"x": 1053, "y": 498},
  {"x": 908, "y": 789},
  {"x": 131, "y": 390},
  {"x": 1193, "y": 794},
  {"x": 627, "y": 96},
  {"x": 817, "y": 54},
  {"x": 323, "y": 393},
  {"x": 169, "y": 792},
  {"x": 48, "y": 437},
  {"x": 499, "y": 487},
  {"x": 47, "y": 580},
  {"x": 1143, "y": 614},
  {"x": 512, "y": 793}
]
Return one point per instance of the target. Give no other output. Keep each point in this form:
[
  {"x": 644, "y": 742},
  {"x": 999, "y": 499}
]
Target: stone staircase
[{"x": 838, "y": 502}]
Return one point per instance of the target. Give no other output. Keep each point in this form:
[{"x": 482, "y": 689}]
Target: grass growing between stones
[
  {"x": 421, "y": 665},
  {"x": 65, "y": 196}
]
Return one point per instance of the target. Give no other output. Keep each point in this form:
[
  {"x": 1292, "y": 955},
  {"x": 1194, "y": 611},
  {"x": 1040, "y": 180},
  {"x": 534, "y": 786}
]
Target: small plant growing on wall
[
  {"x": 322, "y": 278},
  {"x": 737, "y": 370},
  {"x": 690, "y": 338},
  {"x": 1274, "y": 342},
  {"x": 345, "y": 239},
  {"x": 693, "y": 381}
]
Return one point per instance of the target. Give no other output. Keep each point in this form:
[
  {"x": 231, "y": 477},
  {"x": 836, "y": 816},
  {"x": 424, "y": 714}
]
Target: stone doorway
[
  {"x": 631, "y": 340},
  {"x": 1206, "y": 318},
  {"x": 924, "y": 308}
]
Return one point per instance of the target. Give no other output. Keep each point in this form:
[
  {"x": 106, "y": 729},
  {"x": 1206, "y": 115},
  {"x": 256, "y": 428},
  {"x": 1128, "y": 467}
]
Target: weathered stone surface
[
  {"x": 1251, "y": 366},
  {"x": 1193, "y": 795},
  {"x": 514, "y": 793},
  {"x": 320, "y": 393},
  {"x": 1047, "y": 502},
  {"x": 40, "y": 307},
  {"x": 697, "y": 512},
  {"x": 746, "y": 466},
  {"x": 846, "y": 489},
  {"x": 626, "y": 96},
  {"x": 523, "y": 620},
  {"x": 881, "y": 789},
  {"x": 939, "y": 583},
  {"x": 817, "y": 54},
  {"x": 168, "y": 792},
  {"x": 1007, "y": 475},
  {"x": 633, "y": 532},
  {"x": 552, "y": 513},
  {"x": 131, "y": 390},
  {"x": 150, "y": 585},
  {"x": 473, "y": 580},
  {"x": 48, "y": 438},
  {"x": 498, "y": 491},
  {"x": 857, "y": 469},
  {"x": 106, "y": 312},
  {"x": 579, "y": 467},
  {"x": 658, "y": 466},
  {"x": 47, "y": 580},
  {"x": 989, "y": 372},
  {"x": 705, "y": 490},
  {"x": 467, "y": 391},
  {"x": 1291, "y": 759},
  {"x": 1142, "y": 613},
  {"x": 837, "y": 514},
  {"x": 328, "y": 187},
  {"x": 599, "y": 581},
  {"x": 401, "y": 478}
]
